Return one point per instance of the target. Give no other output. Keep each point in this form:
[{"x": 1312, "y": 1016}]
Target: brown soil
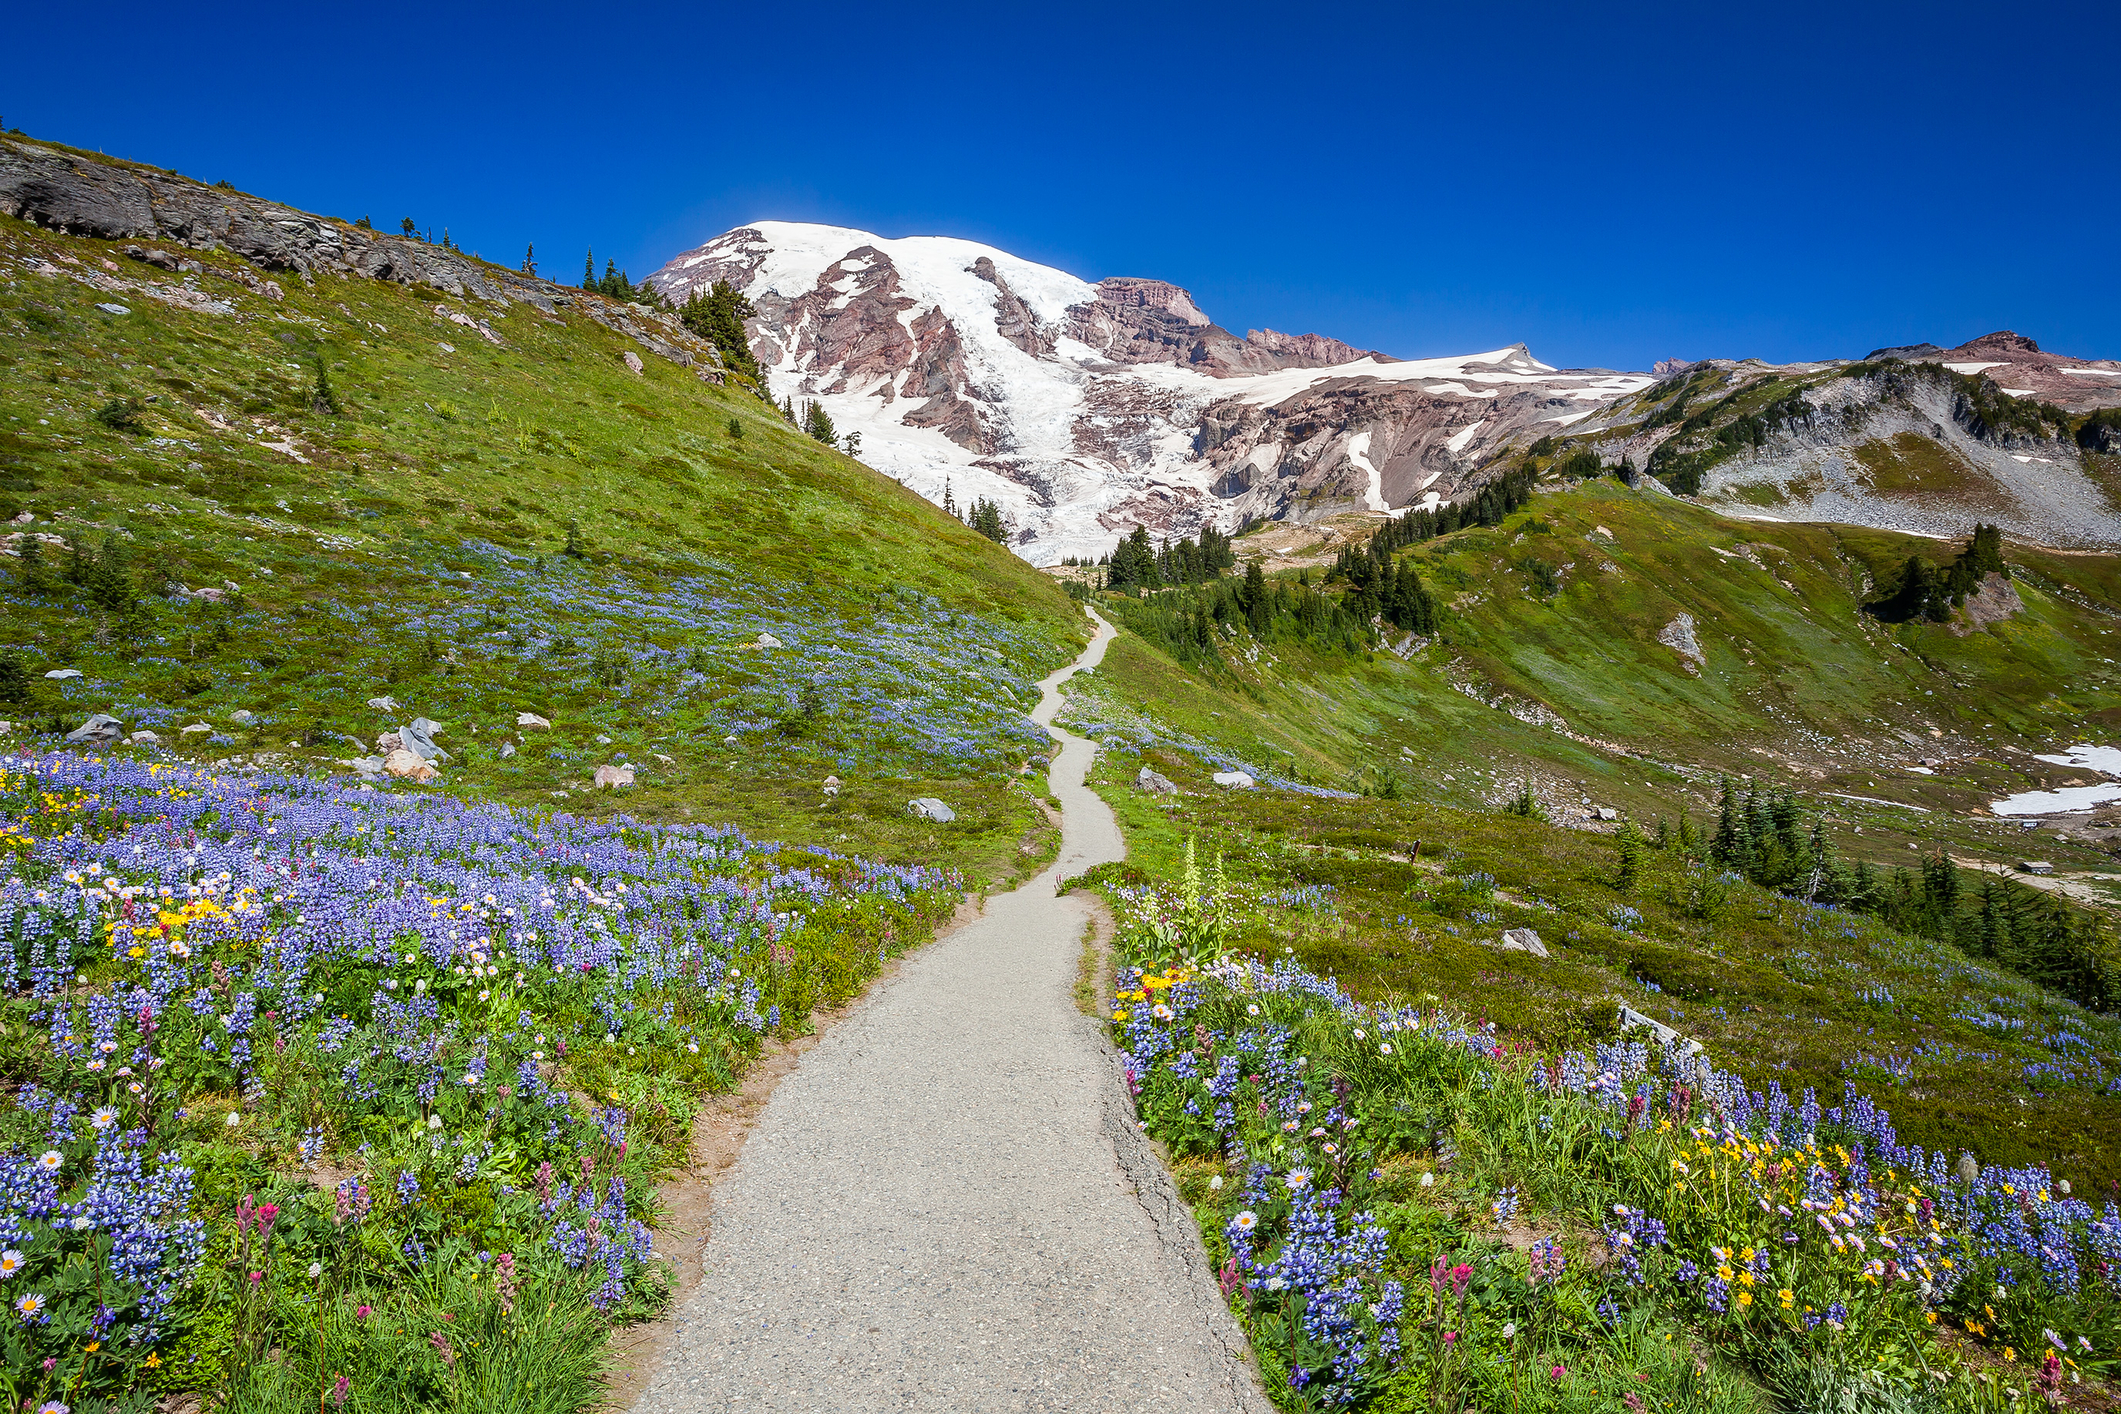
[{"x": 686, "y": 1198}]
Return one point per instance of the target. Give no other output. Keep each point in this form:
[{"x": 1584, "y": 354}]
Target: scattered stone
[
  {"x": 144, "y": 739},
  {"x": 243, "y": 716},
  {"x": 666, "y": 760},
  {"x": 1154, "y": 782},
  {"x": 195, "y": 727},
  {"x": 384, "y": 704},
  {"x": 729, "y": 741},
  {"x": 614, "y": 776},
  {"x": 64, "y": 673},
  {"x": 766, "y": 640},
  {"x": 410, "y": 765},
  {"x": 113, "y": 309},
  {"x": 99, "y": 730},
  {"x": 1605, "y": 812},
  {"x": 632, "y": 361},
  {"x": 365, "y": 765},
  {"x": 2033, "y": 866},
  {"x": 1601, "y": 530},
  {"x": 389, "y": 742},
  {"x": 508, "y": 748},
  {"x": 1235, "y": 780},
  {"x": 533, "y": 722},
  {"x": 419, "y": 737},
  {"x": 927, "y": 807},
  {"x": 603, "y": 740},
  {"x": 1523, "y": 940}
]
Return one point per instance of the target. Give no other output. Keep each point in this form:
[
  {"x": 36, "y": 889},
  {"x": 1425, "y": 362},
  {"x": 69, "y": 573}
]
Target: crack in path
[{"x": 948, "y": 1204}]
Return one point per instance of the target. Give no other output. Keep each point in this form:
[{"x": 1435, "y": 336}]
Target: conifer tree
[
  {"x": 530, "y": 259},
  {"x": 589, "y": 270},
  {"x": 949, "y": 500},
  {"x": 407, "y": 226},
  {"x": 1628, "y": 865}
]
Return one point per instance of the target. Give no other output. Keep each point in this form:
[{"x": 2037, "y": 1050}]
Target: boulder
[
  {"x": 195, "y": 727},
  {"x": 384, "y": 704},
  {"x": 365, "y": 765},
  {"x": 64, "y": 673},
  {"x": 1154, "y": 782},
  {"x": 99, "y": 730},
  {"x": 533, "y": 722},
  {"x": 613, "y": 777},
  {"x": 113, "y": 309},
  {"x": 927, "y": 807},
  {"x": 389, "y": 742},
  {"x": 1523, "y": 940},
  {"x": 1605, "y": 812},
  {"x": 419, "y": 737},
  {"x": 1235, "y": 780},
  {"x": 144, "y": 739},
  {"x": 766, "y": 640},
  {"x": 243, "y": 716},
  {"x": 1678, "y": 635},
  {"x": 410, "y": 765},
  {"x": 632, "y": 361},
  {"x": 508, "y": 748}
]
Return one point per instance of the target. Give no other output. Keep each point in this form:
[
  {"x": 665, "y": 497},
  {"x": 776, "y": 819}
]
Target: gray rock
[
  {"x": 1523, "y": 940},
  {"x": 1606, "y": 812},
  {"x": 144, "y": 739},
  {"x": 113, "y": 309},
  {"x": 531, "y": 721},
  {"x": 765, "y": 640},
  {"x": 927, "y": 807},
  {"x": 614, "y": 776},
  {"x": 632, "y": 361},
  {"x": 1154, "y": 782},
  {"x": 366, "y": 765},
  {"x": 1235, "y": 780},
  {"x": 384, "y": 704},
  {"x": 419, "y": 739},
  {"x": 508, "y": 748},
  {"x": 243, "y": 716},
  {"x": 64, "y": 673},
  {"x": 1678, "y": 635},
  {"x": 195, "y": 727},
  {"x": 99, "y": 730}
]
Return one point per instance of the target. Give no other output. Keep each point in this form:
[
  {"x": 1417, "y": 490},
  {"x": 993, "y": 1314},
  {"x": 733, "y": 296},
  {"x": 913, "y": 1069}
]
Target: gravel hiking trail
[{"x": 948, "y": 1204}]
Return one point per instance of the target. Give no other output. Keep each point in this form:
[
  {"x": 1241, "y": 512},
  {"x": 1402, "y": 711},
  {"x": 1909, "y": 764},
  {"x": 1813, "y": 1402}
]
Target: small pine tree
[
  {"x": 818, "y": 423},
  {"x": 736, "y": 430},
  {"x": 1628, "y": 865},
  {"x": 573, "y": 549},
  {"x": 851, "y": 444},
  {"x": 408, "y": 226},
  {"x": 949, "y": 500},
  {"x": 323, "y": 398},
  {"x": 363, "y": 225},
  {"x": 31, "y": 565},
  {"x": 589, "y": 270},
  {"x": 445, "y": 238},
  {"x": 530, "y": 258}
]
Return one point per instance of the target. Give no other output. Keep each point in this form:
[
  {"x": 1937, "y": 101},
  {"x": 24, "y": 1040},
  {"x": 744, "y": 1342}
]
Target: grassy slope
[
  {"x": 1798, "y": 690},
  {"x": 414, "y": 555}
]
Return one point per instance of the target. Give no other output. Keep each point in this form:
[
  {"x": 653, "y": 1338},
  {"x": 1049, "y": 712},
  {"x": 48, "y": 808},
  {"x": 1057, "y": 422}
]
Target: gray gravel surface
[{"x": 949, "y": 1204}]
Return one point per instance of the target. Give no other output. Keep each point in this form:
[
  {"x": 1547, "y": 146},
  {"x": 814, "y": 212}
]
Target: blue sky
[{"x": 1609, "y": 184}]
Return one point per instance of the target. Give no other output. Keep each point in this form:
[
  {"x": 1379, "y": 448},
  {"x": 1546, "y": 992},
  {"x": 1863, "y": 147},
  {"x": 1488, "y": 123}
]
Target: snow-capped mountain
[{"x": 1085, "y": 409}]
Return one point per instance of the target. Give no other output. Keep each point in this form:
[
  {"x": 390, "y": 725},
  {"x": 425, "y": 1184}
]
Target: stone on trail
[
  {"x": 533, "y": 722},
  {"x": 64, "y": 673},
  {"x": 1239, "y": 780},
  {"x": 99, "y": 730},
  {"x": 384, "y": 704},
  {"x": 927, "y": 807},
  {"x": 1523, "y": 940},
  {"x": 614, "y": 776},
  {"x": 1156, "y": 783}
]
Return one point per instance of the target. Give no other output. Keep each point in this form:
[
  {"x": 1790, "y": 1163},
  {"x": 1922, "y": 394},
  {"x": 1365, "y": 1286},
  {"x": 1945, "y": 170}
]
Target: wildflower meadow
[{"x": 330, "y": 1097}]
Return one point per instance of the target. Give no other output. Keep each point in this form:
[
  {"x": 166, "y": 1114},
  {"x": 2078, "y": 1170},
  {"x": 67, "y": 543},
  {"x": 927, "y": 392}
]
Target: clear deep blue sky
[{"x": 1610, "y": 184}]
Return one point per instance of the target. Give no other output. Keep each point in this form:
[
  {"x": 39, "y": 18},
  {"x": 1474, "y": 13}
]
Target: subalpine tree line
[
  {"x": 1766, "y": 836},
  {"x": 1194, "y": 622}
]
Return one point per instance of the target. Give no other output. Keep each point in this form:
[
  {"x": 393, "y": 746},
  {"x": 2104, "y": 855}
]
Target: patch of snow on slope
[
  {"x": 1972, "y": 368},
  {"x": 1373, "y": 494},
  {"x": 1457, "y": 440}
]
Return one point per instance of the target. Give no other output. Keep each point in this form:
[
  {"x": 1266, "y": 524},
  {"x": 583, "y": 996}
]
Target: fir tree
[
  {"x": 949, "y": 500},
  {"x": 589, "y": 270},
  {"x": 1628, "y": 864},
  {"x": 31, "y": 565},
  {"x": 530, "y": 259},
  {"x": 408, "y": 226},
  {"x": 818, "y": 423},
  {"x": 573, "y": 548},
  {"x": 986, "y": 518}
]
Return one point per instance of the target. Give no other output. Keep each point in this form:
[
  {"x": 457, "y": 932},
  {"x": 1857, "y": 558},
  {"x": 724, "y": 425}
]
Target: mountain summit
[{"x": 1084, "y": 409}]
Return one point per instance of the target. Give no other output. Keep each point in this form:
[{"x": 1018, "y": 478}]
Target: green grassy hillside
[{"x": 414, "y": 544}]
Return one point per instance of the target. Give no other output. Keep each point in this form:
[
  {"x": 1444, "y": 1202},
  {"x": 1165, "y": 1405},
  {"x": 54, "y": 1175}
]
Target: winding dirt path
[{"x": 947, "y": 1205}]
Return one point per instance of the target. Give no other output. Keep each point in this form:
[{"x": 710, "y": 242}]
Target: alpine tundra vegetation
[{"x": 1579, "y": 945}]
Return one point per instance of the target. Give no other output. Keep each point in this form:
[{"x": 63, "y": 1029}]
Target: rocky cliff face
[
  {"x": 2018, "y": 367},
  {"x": 1086, "y": 409},
  {"x": 113, "y": 200}
]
